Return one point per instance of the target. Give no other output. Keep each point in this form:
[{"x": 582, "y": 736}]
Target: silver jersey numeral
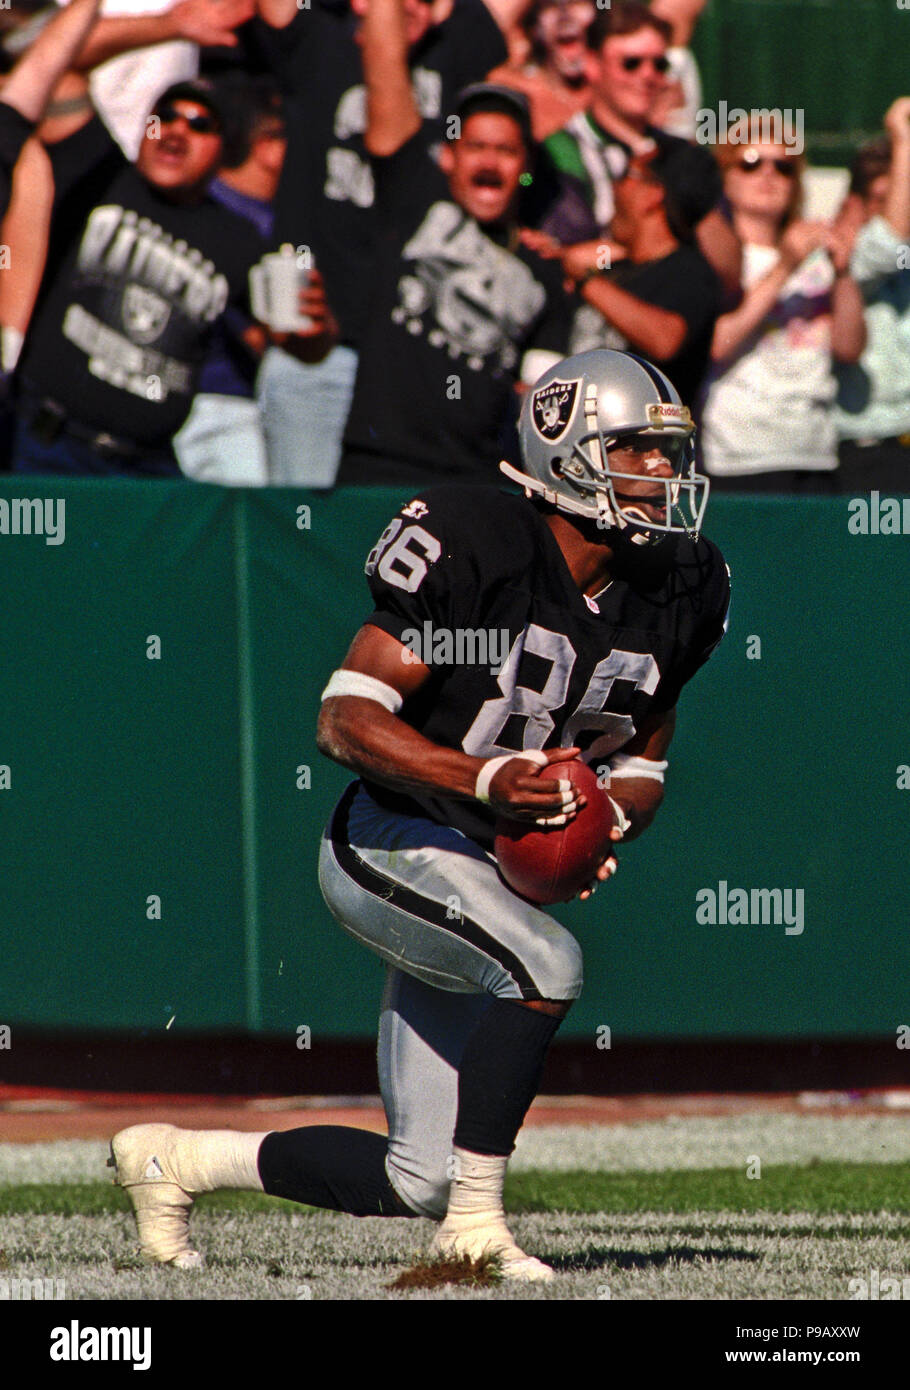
[{"x": 537, "y": 706}]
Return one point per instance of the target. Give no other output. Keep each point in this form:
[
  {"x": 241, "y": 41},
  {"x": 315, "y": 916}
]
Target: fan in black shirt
[
  {"x": 325, "y": 200},
  {"x": 142, "y": 266},
  {"x": 663, "y": 299},
  {"x": 326, "y": 194},
  {"x": 629, "y": 44},
  {"x": 458, "y": 301}
]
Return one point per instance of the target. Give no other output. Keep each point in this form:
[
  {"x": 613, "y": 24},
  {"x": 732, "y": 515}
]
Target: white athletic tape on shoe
[
  {"x": 626, "y": 765},
  {"x": 366, "y": 687},
  {"x": 492, "y": 766}
]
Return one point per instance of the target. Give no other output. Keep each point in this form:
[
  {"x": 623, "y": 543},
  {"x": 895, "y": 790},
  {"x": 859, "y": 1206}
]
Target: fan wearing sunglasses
[
  {"x": 183, "y": 147},
  {"x": 144, "y": 267},
  {"x": 768, "y": 420},
  {"x": 595, "y": 148}
]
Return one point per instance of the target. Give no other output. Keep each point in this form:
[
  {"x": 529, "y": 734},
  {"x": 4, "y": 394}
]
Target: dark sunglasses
[
  {"x": 749, "y": 163},
  {"x": 632, "y": 62},
  {"x": 201, "y": 125}
]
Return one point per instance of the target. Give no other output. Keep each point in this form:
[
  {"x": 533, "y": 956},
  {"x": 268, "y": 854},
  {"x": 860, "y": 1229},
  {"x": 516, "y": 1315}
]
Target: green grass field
[{"x": 663, "y": 1210}]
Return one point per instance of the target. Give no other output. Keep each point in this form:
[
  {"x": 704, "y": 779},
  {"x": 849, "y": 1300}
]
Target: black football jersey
[{"x": 474, "y": 583}]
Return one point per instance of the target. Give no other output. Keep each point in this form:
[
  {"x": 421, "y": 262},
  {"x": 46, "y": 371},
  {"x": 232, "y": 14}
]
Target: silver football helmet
[{"x": 591, "y": 405}]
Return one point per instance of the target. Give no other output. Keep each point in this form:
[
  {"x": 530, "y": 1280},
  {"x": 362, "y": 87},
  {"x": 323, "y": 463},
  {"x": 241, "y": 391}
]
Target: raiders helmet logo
[
  {"x": 552, "y": 408},
  {"x": 145, "y": 314}
]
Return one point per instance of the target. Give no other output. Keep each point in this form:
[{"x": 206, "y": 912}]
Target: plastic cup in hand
[{"x": 275, "y": 285}]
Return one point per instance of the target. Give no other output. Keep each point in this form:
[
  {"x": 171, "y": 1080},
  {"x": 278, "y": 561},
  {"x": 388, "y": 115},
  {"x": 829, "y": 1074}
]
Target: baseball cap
[
  {"x": 201, "y": 91},
  {"x": 493, "y": 96},
  {"x": 229, "y": 115}
]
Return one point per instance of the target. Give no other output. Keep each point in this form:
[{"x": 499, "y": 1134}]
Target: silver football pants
[{"x": 430, "y": 902}]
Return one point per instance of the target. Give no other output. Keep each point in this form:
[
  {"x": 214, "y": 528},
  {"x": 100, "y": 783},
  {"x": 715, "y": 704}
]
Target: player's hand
[
  {"x": 607, "y": 868},
  {"x": 210, "y": 22},
  {"x": 517, "y": 791}
]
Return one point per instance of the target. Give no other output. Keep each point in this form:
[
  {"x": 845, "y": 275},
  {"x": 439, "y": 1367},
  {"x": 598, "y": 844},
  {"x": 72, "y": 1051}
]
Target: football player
[{"x": 611, "y": 599}]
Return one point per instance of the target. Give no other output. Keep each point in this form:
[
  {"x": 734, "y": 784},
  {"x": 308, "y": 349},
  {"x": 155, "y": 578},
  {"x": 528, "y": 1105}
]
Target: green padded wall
[
  {"x": 842, "y": 61},
  {"x": 178, "y": 777}
]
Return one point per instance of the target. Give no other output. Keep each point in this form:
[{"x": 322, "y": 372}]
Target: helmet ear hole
[{"x": 556, "y": 466}]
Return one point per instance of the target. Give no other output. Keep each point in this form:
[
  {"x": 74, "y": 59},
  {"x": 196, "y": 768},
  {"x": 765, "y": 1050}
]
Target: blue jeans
[
  {"x": 73, "y": 457},
  {"x": 222, "y": 442},
  {"x": 304, "y": 412}
]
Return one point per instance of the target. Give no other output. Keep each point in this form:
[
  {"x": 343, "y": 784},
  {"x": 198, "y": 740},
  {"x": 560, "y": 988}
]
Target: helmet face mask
[
  {"x": 590, "y": 430},
  {"x": 674, "y": 504}
]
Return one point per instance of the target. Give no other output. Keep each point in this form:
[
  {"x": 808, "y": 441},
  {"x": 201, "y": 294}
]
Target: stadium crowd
[{"x": 437, "y": 199}]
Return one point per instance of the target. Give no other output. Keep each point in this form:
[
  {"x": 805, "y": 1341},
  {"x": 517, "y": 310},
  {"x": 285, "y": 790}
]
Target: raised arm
[
  {"x": 897, "y": 204},
  {"x": 24, "y": 230},
  {"x": 392, "y": 114},
  {"x": 277, "y": 13},
  {"x": 508, "y": 13},
  {"x": 29, "y": 85},
  {"x": 210, "y": 23}
]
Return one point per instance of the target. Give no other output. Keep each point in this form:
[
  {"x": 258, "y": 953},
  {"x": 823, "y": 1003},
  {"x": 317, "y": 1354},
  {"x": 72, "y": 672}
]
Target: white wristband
[
  {"x": 492, "y": 766},
  {"x": 621, "y": 817},
  {"x": 364, "y": 686},
  {"x": 627, "y": 765}
]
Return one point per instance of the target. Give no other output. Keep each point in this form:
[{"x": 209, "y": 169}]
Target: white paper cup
[{"x": 275, "y": 285}]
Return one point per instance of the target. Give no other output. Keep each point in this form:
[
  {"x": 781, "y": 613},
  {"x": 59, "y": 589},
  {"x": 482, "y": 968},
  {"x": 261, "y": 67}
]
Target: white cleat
[
  {"x": 485, "y": 1236},
  {"x": 144, "y": 1158}
]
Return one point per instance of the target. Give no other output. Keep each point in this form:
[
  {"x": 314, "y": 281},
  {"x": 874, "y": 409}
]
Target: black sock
[
  {"x": 499, "y": 1075},
  {"x": 330, "y": 1166}
]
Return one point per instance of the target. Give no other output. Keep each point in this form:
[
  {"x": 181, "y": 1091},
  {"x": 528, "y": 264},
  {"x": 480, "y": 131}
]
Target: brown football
[{"x": 551, "y": 864}]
